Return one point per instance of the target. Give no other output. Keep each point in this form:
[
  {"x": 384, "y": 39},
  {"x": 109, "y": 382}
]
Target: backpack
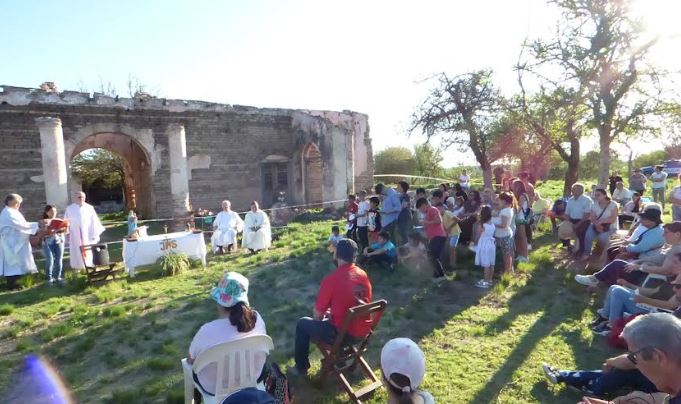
[{"x": 276, "y": 384}]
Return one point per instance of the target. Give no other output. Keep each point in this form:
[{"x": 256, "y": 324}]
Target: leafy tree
[
  {"x": 394, "y": 160},
  {"x": 98, "y": 167},
  {"x": 600, "y": 52},
  {"x": 428, "y": 160},
  {"x": 650, "y": 159},
  {"x": 464, "y": 110}
]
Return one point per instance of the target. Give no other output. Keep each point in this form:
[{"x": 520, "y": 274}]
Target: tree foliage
[
  {"x": 394, "y": 160},
  {"x": 464, "y": 111},
  {"x": 427, "y": 160},
  {"x": 98, "y": 167}
]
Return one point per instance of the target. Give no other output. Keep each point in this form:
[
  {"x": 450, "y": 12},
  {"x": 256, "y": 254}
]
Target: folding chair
[{"x": 342, "y": 356}]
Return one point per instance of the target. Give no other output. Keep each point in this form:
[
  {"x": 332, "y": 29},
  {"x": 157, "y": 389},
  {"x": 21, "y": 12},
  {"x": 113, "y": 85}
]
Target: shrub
[
  {"x": 174, "y": 263},
  {"x": 6, "y": 309}
]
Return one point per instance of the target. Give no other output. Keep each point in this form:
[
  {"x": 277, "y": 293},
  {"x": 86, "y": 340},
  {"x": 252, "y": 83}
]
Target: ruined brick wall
[{"x": 226, "y": 145}]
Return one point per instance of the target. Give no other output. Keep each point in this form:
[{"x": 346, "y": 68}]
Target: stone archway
[
  {"x": 312, "y": 174},
  {"x": 137, "y": 168}
]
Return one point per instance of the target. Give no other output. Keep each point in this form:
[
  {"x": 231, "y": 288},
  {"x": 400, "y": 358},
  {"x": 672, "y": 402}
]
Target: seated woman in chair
[
  {"x": 403, "y": 366},
  {"x": 235, "y": 320}
]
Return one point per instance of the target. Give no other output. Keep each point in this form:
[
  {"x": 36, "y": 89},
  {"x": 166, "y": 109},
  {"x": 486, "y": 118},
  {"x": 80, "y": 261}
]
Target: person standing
[
  {"x": 613, "y": 180},
  {"x": 390, "y": 207},
  {"x": 464, "y": 180},
  {"x": 675, "y": 199},
  {"x": 437, "y": 237},
  {"x": 226, "y": 226},
  {"x": 363, "y": 207},
  {"x": 659, "y": 186},
  {"x": 404, "y": 220},
  {"x": 257, "y": 231},
  {"x": 132, "y": 223},
  {"x": 84, "y": 230},
  {"x": 53, "y": 244},
  {"x": 351, "y": 208},
  {"x": 16, "y": 257},
  {"x": 637, "y": 182}
]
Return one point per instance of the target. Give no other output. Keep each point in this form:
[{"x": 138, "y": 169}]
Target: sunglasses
[{"x": 632, "y": 356}]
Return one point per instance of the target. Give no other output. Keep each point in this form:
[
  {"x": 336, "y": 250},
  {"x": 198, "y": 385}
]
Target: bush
[
  {"x": 174, "y": 263},
  {"x": 6, "y": 309}
]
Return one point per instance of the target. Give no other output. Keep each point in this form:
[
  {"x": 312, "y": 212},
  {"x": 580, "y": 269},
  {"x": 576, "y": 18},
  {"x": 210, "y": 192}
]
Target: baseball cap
[
  {"x": 403, "y": 356},
  {"x": 232, "y": 289}
]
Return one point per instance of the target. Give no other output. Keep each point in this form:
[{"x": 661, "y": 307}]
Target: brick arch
[
  {"x": 137, "y": 181},
  {"x": 312, "y": 174}
]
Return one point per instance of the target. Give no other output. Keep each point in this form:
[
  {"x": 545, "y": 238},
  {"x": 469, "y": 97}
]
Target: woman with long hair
[
  {"x": 403, "y": 366},
  {"x": 603, "y": 219},
  {"x": 503, "y": 233},
  {"x": 523, "y": 220},
  {"x": 236, "y": 320},
  {"x": 631, "y": 210},
  {"x": 53, "y": 245}
]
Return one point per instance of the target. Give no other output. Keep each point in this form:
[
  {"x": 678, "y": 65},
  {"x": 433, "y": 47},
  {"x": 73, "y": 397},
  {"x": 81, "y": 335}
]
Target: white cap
[{"x": 403, "y": 356}]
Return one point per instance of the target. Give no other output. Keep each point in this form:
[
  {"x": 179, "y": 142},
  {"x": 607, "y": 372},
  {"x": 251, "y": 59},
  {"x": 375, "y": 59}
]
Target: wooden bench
[
  {"x": 341, "y": 356},
  {"x": 101, "y": 273}
]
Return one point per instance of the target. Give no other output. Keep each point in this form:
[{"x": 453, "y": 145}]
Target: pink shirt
[
  {"x": 217, "y": 332},
  {"x": 434, "y": 230}
]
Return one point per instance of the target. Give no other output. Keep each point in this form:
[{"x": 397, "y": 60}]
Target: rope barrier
[{"x": 212, "y": 216}]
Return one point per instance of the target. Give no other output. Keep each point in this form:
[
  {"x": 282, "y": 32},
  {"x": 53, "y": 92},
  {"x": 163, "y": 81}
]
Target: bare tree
[{"x": 463, "y": 110}]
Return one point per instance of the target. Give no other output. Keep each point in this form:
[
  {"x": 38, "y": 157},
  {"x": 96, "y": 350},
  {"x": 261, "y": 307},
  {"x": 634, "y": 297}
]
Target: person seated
[
  {"x": 250, "y": 395},
  {"x": 556, "y": 212},
  {"x": 631, "y": 209},
  {"x": 540, "y": 208},
  {"x": 654, "y": 343},
  {"x": 403, "y": 366},
  {"x": 603, "y": 218},
  {"x": 620, "y": 300},
  {"x": 651, "y": 239},
  {"x": 618, "y": 373},
  {"x": 257, "y": 231},
  {"x": 226, "y": 226},
  {"x": 346, "y": 287},
  {"x": 235, "y": 320},
  {"x": 413, "y": 253},
  {"x": 333, "y": 240},
  {"x": 621, "y": 194},
  {"x": 382, "y": 252}
]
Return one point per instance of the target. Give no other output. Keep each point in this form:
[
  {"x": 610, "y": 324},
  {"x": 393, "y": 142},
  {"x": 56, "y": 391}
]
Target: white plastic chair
[{"x": 236, "y": 358}]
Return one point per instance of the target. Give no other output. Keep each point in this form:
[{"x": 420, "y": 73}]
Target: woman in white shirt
[
  {"x": 236, "y": 320},
  {"x": 503, "y": 234},
  {"x": 464, "y": 180},
  {"x": 603, "y": 217}
]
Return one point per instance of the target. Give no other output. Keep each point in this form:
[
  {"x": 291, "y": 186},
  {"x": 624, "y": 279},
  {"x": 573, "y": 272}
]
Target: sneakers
[
  {"x": 483, "y": 284},
  {"x": 602, "y": 329},
  {"x": 50, "y": 282},
  {"x": 598, "y": 321},
  {"x": 520, "y": 258},
  {"x": 550, "y": 373},
  {"x": 587, "y": 280},
  {"x": 439, "y": 279}
]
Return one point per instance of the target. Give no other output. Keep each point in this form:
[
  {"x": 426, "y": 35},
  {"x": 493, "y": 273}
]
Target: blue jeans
[
  {"x": 53, "y": 248},
  {"x": 307, "y": 329},
  {"x": 591, "y": 235},
  {"x": 600, "y": 383},
  {"x": 619, "y": 300}
]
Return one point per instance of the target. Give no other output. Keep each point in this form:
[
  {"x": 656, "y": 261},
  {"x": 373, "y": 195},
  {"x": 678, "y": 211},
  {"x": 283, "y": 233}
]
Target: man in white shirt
[
  {"x": 16, "y": 258},
  {"x": 577, "y": 212},
  {"x": 659, "y": 180},
  {"x": 226, "y": 226},
  {"x": 464, "y": 180},
  {"x": 621, "y": 195},
  {"x": 84, "y": 230}
]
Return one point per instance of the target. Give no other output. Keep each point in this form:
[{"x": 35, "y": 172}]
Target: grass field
[{"x": 122, "y": 342}]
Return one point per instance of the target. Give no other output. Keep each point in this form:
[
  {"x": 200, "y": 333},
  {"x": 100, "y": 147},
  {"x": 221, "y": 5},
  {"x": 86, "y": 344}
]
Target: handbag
[{"x": 605, "y": 226}]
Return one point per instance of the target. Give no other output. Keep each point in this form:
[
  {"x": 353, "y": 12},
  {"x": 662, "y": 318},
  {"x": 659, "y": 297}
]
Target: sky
[{"x": 368, "y": 56}]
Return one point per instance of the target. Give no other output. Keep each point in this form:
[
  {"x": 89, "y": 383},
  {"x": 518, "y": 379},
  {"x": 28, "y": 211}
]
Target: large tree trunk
[
  {"x": 487, "y": 175},
  {"x": 604, "y": 157},
  {"x": 572, "y": 173}
]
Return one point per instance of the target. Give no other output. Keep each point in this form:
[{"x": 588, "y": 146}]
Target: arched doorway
[
  {"x": 312, "y": 174},
  {"x": 137, "y": 184}
]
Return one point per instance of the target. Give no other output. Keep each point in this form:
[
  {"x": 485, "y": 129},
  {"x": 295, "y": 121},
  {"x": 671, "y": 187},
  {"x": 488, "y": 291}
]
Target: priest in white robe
[
  {"x": 16, "y": 257},
  {"x": 84, "y": 229},
  {"x": 226, "y": 226},
  {"x": 257, "y": 231}
]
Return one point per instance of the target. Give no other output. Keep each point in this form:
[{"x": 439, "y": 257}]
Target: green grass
[{"x": 122, "y": 341}]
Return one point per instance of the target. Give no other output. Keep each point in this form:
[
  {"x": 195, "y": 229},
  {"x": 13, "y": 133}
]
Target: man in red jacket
[{"x": 346, "y": 287}]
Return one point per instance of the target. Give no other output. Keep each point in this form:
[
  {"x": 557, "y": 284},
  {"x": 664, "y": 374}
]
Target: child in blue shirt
[{"x": 382, "y": 252}]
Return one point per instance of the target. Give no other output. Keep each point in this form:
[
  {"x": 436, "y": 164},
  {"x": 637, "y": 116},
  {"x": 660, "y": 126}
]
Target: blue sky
[{"x": 367, "y": 56}]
